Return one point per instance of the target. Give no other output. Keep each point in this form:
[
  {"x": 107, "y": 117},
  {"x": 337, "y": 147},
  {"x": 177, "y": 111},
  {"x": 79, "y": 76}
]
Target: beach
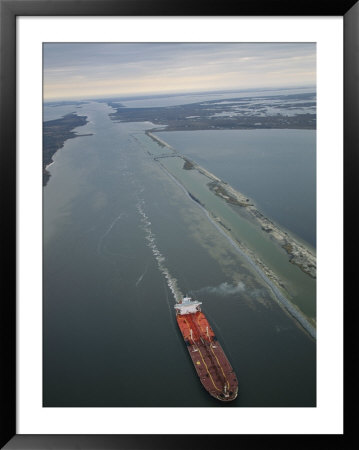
[{"x": 297, "y": 252}]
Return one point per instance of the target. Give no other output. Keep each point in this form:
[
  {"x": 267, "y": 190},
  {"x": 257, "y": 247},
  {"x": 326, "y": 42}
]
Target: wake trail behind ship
[
  {"x": 141, "y": 276},
  {"x": 106, "y": 233},
  {"x": 151, "y": 243}
]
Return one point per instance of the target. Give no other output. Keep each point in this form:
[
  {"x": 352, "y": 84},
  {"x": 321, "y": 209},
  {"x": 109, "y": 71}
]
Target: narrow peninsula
[{"x": 298, "y": 254}]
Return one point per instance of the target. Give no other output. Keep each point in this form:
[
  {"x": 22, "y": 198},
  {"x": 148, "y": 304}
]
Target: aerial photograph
[{"x": 179, "y": 224}]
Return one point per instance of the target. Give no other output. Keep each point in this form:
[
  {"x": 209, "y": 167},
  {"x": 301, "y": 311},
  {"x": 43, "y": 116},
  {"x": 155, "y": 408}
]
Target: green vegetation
[
  {"x": 187, "y": 164},
  {"x": 55, "y": 133},
  {"x": 234, "y": 113}
]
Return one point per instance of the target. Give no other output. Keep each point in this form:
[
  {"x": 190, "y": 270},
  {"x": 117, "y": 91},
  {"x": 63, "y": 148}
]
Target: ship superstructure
[{"x": 212, "y": 366}]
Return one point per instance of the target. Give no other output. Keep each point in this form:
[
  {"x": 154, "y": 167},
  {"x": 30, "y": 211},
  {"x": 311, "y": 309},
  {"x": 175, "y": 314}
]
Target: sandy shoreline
[
  {"x": 297, "y": 252},
  {"x": 51, "y": 163},
  {"x": 263, "y": 271}
]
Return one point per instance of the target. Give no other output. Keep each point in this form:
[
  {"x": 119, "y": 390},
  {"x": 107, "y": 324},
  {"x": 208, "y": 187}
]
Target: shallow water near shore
[
  {"x": 122, "y": 239},
  {"x": 299, "y": 286},
  {"x": 275, "y": 168}
]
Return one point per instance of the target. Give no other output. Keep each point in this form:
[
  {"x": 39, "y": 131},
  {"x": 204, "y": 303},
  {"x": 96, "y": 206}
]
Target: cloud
[{"x": 173, "y": 67}]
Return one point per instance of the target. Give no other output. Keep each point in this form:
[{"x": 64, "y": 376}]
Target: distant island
[
  {"x": 296, "y": 111},
  {"x": 55, "y": 133}
]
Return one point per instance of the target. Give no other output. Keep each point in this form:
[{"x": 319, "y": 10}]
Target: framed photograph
[{"x": 172, "y": 175}]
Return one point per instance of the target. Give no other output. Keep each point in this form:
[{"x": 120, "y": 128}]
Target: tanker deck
[{"x": 212, "y": 366}]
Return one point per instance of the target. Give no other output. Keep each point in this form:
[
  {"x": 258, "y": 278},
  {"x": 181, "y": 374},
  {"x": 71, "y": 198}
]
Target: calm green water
[
  {"x": 121, "y": 240},
  {"x": 300, "y": 288},
  {"x": 275, "y": 168}
]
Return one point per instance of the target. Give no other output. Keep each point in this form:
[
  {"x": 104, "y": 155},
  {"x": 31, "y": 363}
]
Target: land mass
[
  {"x": 295, "y": 111},
  {"x": 298, "y": 253},
  {"x": 55, "y": 133}
]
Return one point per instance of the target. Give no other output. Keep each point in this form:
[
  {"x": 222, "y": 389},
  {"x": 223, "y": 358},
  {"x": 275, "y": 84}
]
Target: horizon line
[{"x": 175, "y": 94}]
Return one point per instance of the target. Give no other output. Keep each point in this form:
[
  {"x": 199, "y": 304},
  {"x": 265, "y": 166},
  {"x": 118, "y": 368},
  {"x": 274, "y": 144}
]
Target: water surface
[
  {"x": 275, "y": 168},
  {"x": 121, "y": 241}
]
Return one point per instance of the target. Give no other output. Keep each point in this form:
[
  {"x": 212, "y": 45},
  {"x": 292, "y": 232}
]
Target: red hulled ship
[{"x": 212, "y": 366}]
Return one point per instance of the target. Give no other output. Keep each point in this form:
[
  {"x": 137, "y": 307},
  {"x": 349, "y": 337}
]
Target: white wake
[{"x": 151, "y": 243}]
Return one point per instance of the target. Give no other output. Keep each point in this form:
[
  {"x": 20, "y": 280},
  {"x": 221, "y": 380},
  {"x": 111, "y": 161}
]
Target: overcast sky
[{"x": 95, "y": 70}]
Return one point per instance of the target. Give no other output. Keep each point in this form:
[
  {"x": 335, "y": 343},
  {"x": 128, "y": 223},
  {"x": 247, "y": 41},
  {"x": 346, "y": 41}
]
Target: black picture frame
[{"x": 9, "y": 10}]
